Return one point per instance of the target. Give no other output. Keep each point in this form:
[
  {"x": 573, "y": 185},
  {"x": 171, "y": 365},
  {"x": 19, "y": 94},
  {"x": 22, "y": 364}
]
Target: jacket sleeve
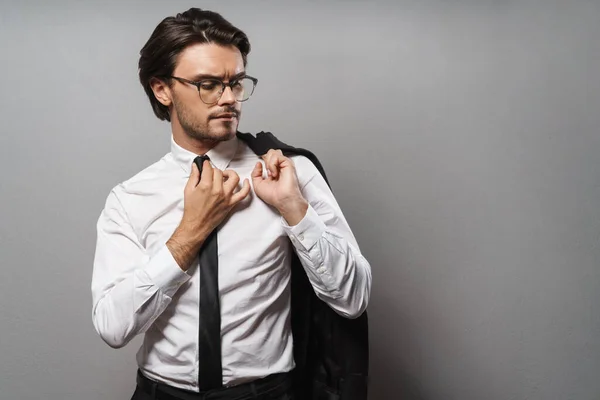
[
  {"x": 130, "y": 288},
  {"x": 339, "y": 273}
]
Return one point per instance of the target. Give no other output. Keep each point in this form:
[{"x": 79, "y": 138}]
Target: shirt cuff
[
  {"x": 165, "y": 273},
  {"x": 307, "y": 232}
]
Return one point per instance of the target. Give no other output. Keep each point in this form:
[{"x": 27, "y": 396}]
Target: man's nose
[{"x": 227, "y": 97}]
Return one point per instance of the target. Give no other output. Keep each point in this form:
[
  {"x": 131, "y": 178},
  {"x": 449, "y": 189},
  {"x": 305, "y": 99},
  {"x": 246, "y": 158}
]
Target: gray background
[{"x": 461, "y": 139}]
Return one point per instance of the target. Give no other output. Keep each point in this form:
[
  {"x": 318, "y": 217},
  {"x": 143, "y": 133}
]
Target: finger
[
  {"x": 267, "y": 158},
  {"x": 273, "y": 165},
  {"x": 207, "y": 174},
  {"x": 217, "y": 180},
  {"x": 231, "y": 180},
  {"x": 243, "y": 192},
  {"x": 272, "y": 152},
  {"x": 193, "y": 179},
  {"x": 257, "y": 172}
]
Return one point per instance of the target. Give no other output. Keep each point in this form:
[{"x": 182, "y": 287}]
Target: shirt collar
[{"x": 220, "y": 155}]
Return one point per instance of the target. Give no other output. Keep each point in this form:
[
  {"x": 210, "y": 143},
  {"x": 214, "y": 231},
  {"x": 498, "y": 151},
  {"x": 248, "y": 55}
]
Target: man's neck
[{"x": 196, "y": 146}]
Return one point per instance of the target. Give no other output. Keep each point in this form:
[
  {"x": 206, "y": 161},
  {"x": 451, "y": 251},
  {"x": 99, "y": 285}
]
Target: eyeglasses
[{"x": 211, "y": 90}]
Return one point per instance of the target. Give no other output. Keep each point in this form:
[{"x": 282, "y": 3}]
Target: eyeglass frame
[{"x": 223, "y": 85}]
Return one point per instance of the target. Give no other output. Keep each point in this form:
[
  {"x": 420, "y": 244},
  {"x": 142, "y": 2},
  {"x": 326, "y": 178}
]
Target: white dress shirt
[{"x": 137, "y": 286}]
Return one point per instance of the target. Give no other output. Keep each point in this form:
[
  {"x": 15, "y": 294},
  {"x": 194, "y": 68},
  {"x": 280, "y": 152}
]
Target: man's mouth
[{"x": 225, "y": 116}]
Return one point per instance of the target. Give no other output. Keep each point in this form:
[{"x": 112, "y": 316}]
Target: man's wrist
[
  {"x": 293, "y": 211},
  {"x": 184, "y": 245}
]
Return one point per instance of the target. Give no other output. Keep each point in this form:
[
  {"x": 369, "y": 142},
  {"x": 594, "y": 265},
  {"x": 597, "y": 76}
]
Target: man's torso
[{"x": 254, "y": 276}]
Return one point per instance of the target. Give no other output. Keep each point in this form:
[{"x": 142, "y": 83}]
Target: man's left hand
[{"x": 280, "y": 188}]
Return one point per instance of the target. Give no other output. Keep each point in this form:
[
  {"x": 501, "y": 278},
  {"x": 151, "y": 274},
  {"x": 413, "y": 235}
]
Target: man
[{"x": 148, "y": 268}]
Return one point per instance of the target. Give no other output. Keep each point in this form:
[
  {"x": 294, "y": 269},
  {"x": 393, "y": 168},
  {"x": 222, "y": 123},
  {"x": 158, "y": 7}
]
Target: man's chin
[
  {"x": 224, "y": 130},
  {"x": 213, "y": 136},
  {"x": 228, "y": 135}
]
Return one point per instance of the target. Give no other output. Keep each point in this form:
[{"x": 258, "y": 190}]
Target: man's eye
[{"x": 208, "y": 85}]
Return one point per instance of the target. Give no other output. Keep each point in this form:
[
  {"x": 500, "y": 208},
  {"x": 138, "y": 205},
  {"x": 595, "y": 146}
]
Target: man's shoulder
[
  {"x": 145, "y": 181},
  {"x": 303, "y": 163},
  {"x": 305, "y": 169}
]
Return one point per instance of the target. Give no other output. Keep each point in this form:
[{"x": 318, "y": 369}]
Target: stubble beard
[{"x": 201, "y": 131}]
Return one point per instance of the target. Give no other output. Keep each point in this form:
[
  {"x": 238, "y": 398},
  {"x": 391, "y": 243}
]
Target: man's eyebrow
[{"x": 199, "y": 77}]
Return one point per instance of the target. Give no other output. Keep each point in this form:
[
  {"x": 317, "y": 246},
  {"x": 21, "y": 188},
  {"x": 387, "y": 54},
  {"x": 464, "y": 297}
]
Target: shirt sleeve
[
  {"x": 328, "y": 251},
  {"x": 130, "y": 288}
]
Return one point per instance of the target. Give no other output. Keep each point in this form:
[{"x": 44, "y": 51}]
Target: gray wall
[{"x": 461, "y": 139}]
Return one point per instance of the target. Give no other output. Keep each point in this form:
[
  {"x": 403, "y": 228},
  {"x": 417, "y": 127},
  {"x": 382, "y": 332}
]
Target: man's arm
[
  {"x": 130, "y": 288},
  {"x": 328, "y": 250},
  {"x": 313, "y": 220}
]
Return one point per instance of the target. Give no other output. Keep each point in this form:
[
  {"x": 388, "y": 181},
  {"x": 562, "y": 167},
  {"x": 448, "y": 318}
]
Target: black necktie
[{"x": 209, "y": 339}]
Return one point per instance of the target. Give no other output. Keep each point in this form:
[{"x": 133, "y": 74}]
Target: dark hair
[{"x": 159, "y": 55}]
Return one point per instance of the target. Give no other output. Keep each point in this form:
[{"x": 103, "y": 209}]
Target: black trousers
[{"x": 272, "y": 387}]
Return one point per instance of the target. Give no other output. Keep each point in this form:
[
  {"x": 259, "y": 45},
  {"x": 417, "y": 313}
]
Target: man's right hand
[{"x": 207, "y": 200}]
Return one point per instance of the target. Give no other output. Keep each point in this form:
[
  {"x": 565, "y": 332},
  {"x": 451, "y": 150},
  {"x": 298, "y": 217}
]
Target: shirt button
[
  {"x": 301, "y": 236},
  {"x": 321, "y": 270}
]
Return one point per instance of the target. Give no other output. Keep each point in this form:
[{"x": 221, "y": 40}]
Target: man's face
[{"x": 201, "y": 121}]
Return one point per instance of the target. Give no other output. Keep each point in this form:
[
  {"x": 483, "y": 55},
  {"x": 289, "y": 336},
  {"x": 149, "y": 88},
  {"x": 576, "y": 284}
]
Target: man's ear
[{"x": 162, "y": 91}]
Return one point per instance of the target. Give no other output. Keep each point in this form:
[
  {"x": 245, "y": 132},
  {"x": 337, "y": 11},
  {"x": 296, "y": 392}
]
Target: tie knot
[
  {"x": 199, "y": 160},
  {"x": 202, "y": 158}
]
